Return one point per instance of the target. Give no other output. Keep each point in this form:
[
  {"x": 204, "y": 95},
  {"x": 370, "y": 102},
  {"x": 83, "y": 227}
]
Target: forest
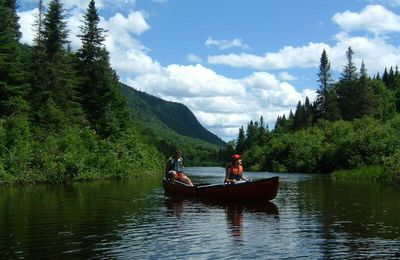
[
  {"x": 62, "y": 114},
  {"x": 351, "y": 129}
]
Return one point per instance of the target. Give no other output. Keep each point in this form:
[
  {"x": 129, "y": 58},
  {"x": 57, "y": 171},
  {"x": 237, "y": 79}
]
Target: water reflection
[{"x": 235, "y": 212}]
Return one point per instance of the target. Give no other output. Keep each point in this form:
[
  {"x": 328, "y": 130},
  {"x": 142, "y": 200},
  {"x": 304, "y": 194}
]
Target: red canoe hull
[{"x": 265, "y": 189}]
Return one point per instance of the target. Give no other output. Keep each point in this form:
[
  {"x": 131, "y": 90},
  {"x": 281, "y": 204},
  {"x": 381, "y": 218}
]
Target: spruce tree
[
  {"x": 347, "y": 89},
  {"x": 299, "y": 117},
  {"x": 366, "y": 100},
  {"x": 325, "y": 86},
  {"x": 309, "y": 112},
  {"x": 349, "y": 73},
  {"x": 102, "y": 100},
  {"x": 240, "y": 142},
  {"x": 13, "y": 86},
  {"x": 56, "y": 99}
]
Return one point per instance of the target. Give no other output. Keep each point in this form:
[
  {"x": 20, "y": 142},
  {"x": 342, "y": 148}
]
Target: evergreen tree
[
  {"x": 240, "y": 142},
  {"x": 100, "y": 89},
  {"x": 13, "y": 86},
  {"x": 299, "y": 117},
  {"x": 263, "y": 132},
  {"x": 347, "y": 89},
  {"x": 349, "y": 73},
  {"x": 322, "y": 104},
  {"x": 366, "y": 101},
  {"x": 38, "y": 68},
  {"x": 56, "y": 97},
  {"x": 309, "y": 112}
]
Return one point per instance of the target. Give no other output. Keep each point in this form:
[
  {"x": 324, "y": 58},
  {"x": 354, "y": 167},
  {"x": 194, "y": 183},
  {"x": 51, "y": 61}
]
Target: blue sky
[{"x": 232, "y": 61}]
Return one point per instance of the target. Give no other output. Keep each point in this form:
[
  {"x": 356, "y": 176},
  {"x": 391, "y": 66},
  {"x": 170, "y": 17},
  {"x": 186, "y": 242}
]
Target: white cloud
[
  {"x": 373, "y": 18},
  {"x": 194, "y": 58},
  {"x": 26, "y": 21},
  {"x": 304, "y": 57},
  {"x": 376, "y": 53},
  {"x": 221, "y": 103},
  {"x": 134, "y": 23},
  {"x": 226, "y": 44}
]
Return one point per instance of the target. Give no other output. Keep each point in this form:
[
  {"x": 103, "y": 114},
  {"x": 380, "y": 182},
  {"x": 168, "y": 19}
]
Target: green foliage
[
  {"x": 315, "y": 139},
  {"x": 73, "y": 154},
  {"x": 12, "y": 75},
  {"x": 99, "y": 87},
  {"x": 327, "y": 146},
  {"x": 368, "y": 173},
  {"x": 171, "y": 115},
  {"x": 160, "y": 118},
  {"x": 391, "y": 166},
  {"x": 55, "y": 141}
]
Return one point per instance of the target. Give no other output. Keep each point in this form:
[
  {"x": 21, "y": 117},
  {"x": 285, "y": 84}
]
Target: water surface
[{"x": 312, "y": 217}]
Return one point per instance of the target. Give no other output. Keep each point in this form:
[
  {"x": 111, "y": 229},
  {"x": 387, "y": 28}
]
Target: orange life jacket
[{"x": 235, "y": 171}]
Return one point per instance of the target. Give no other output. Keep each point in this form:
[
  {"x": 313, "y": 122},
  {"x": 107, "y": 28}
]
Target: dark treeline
[
  {"x": 62, "y": 114},
  {"x": 354, "y": 123}
]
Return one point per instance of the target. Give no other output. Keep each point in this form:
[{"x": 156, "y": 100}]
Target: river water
[{"x": 312, "y": 217}]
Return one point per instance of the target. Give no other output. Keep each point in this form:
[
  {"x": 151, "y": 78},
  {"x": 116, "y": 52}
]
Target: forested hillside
[
  {"x": 174, "y": 115},
  {"x": 173, "y": 126},
  {"x": 354, "y": 123}
]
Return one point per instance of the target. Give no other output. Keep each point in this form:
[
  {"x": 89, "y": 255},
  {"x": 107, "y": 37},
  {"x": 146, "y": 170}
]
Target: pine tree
[
  {"x": 308, "y": 113},
  {"x": 347, "y": 88},
  {"x": 56, "y": 97},
  {"x": 13, "y": 86},
  {"x": 299, "y": 117},
  {"x": 350, "y": 70},
  {"x": 325, "y": 85},
  {"x": 240, "y": 142},
  {"x": 366, "y": 100},
  {"x": 100, "y": 89}
]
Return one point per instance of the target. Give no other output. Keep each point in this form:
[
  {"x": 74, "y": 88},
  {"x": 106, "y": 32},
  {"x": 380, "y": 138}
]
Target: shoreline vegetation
[
  {"x": 352, "y": 129},
  {"x": 62, "y": 114}
]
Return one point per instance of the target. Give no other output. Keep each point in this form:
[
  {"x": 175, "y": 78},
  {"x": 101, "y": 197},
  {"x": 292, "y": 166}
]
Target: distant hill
[{"x": 172, "y": 123}]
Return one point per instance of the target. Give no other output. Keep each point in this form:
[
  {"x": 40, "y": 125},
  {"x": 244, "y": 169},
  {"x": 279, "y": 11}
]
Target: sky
[{"x": 233, "y": 61}]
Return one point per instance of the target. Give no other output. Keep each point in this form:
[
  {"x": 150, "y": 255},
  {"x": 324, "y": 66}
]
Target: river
[{"x": 312, "y": 217}]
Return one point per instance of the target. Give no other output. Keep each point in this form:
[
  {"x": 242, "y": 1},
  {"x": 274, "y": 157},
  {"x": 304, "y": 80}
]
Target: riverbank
[
  {"x": 388, "y": 173},
  {"x": 74, "y": 154}
]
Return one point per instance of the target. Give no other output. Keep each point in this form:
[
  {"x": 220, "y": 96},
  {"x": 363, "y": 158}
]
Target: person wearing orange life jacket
[
  {"x": 174, "y": 169},
  {"x": 234, "y": 172}
]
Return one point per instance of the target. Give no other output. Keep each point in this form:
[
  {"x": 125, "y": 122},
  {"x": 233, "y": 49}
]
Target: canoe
[{"x": 264, "y": 189}]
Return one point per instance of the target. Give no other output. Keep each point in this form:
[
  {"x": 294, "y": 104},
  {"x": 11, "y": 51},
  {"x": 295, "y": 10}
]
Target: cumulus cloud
[
  {"x": 377, "y": 52},
  {"x": 373, "y": 18},
  {"x": 226, "y": 44},
  {"x": 134, "y": 23},
  {"x": 221, "y": 103},
  {"x": 304, "y": 57}
]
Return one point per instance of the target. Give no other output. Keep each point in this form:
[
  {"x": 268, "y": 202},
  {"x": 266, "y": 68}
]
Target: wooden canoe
[{"x": 265, "y": 189}]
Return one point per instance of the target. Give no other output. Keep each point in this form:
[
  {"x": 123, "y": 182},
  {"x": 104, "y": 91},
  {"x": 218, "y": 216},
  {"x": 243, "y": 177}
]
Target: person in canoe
[
  {"x": 174, "y": 169},
  {"x": 234, "y": 172}
]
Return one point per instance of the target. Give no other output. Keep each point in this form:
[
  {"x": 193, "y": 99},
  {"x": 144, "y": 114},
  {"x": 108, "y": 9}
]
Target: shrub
[{"x": 391, "y": 166}]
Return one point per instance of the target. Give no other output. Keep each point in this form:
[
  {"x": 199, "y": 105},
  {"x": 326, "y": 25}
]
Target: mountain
[{"x": 174, "y": 126}]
